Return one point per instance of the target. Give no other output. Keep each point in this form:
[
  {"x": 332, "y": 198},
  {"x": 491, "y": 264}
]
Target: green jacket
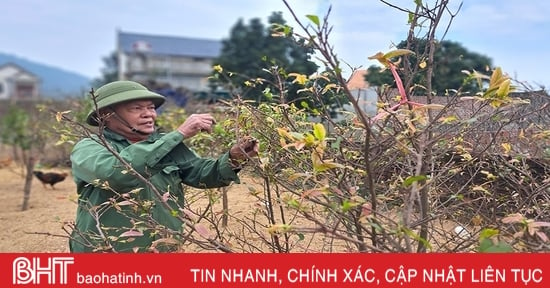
[{"x": 163, "y": 159}]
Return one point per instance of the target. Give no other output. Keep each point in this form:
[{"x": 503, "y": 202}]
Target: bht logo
[{"x": 30, "y": 271}]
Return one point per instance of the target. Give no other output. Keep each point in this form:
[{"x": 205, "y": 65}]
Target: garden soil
[{"x": 40, "y": 227}]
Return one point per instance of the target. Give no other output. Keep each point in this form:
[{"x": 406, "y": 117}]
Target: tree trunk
[
  {"x": 225, "y": 205},
  {"x": 29, "y": 167}
]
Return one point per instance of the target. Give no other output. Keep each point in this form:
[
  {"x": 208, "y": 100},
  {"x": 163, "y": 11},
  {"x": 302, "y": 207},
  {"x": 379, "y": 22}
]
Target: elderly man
[{"x": 117, "y": 211}]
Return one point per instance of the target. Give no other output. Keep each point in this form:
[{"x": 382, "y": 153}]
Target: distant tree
[
  {"x": 13, "y": 130},
  {"x": 251, "y": 51},
  {"x": 24, "y": 132},
  {"x": 450, "y": 60},
  {"x": 109, "y": 72}
]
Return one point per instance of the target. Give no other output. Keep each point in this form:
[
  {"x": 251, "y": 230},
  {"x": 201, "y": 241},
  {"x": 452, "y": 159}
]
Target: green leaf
[
  {"x": 309, "y": 139},
  {"x": 397, "y": 53},
  {"x": 411, "y": 179},
  {"x": 319, "y": 131},
  {"x": 485, "y": 244},
  {"x": 488, "y": 246},
  {"x": 337, "y": 143},
  {"x": 314, "y": 19},
  {"x": 411, "y": 18},
  {"x": 293, "y": 203},
  {"x": 417, "y": 237},
  {"x": 267, "y": 93},
  {"x": 348, "y": 205}
]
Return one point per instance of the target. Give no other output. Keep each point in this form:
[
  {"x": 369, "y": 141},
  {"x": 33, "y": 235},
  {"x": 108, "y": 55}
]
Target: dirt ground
[{"x": 40, "y": 228}]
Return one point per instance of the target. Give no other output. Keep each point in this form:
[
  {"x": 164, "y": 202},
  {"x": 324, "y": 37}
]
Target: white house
[
  {"x": 18, "y": 83},
  {"x": 177, "y": 61}
]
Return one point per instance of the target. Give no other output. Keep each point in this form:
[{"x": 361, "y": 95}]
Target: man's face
[{"x": 139, "y": 114}]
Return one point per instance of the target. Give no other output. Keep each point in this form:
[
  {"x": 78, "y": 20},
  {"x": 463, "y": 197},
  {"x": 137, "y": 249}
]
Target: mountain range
[{"x": 56, "y": 83}]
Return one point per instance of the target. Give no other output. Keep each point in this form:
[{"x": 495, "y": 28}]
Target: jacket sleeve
[
  {"x": 92, "y": 161},
  {"x": 194, "y": 170},
  {"x": 197, "y": 171},
  {"x": 208, "y": 173}
]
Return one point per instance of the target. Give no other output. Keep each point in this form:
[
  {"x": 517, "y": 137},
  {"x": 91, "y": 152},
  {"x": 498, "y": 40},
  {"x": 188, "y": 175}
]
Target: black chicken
[{"x": 50, "y": 177}]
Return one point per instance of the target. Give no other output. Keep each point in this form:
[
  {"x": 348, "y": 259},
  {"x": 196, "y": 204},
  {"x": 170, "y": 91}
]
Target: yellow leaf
[
  {"x": 59, "y": 115},
  {"x": 282, "y": 142},
  {"x": 507, "y": 147},
  {"x": 448, "y": 120},
  {"x": 411, "y": 126},
  {"x": 521, "y": 134},
  {"x": 279, "y": 228},
  {"x": 310, "y": 89},
  {"x": 479, "y": 188},
  {"x": 218, "y": 68},
  {"x": 315, "y": 159},
  {"x": 299, "y": 78},
  {"x": 489, "y": 175},
  {"x": 284, "y": 133},
  {"x": 319, "y": 76},
  {"x": 296, "y": 176},
  {"x": 504, "y": 89},
  {"x": 495, "y": 103},
  {"x": 326, "y": 165},
  {"x": 378, "y": 56},
  {"x": 422, "y": 65},
  {"x": 397, "y": 53},
  {"x": 430, "y": 106},
  {"x": 495, "y": 77},
  {"x": 328, "y": 87}
]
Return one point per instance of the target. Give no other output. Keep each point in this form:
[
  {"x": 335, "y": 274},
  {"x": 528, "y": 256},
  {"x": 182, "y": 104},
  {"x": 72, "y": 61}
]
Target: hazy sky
[{"x": 75, "y": 34}]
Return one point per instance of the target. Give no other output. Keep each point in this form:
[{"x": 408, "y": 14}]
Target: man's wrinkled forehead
[{"x": 141, "y": 103}]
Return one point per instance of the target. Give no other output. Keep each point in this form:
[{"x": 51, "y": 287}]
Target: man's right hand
[{"x": 196, "y": 123}]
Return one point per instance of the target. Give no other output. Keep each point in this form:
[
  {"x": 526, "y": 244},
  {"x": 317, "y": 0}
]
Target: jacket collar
[{"x": 110, "y": 134}]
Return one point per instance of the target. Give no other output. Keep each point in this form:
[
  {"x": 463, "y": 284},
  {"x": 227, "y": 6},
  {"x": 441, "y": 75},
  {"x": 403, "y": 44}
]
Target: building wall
[
  {"x": 180, "y": 62},
  {"x": 16, "y": 83},
  {"x": 177, "y": 71}
]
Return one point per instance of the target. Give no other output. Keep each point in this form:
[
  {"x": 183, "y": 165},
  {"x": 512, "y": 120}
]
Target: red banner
[{"x": 275, "y": 270}]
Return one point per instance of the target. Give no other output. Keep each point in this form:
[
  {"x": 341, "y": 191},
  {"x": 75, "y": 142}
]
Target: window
[{"x": 24, "y": 91}]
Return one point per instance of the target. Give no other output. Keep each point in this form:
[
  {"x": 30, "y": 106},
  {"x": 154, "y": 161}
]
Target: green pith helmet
[{"x": 121, "y": 91}]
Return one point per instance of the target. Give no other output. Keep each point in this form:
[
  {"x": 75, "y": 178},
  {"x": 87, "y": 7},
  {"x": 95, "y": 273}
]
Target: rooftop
[{"x": 169, "y": 45}]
